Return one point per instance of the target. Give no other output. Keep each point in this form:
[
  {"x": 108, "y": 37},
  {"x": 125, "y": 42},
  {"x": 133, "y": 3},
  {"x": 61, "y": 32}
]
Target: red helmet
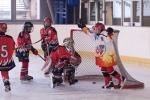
[
  {"x": 100, "y": 26},
  {"x": 3, "y": 27},
  {"x": 47, "y": 21}
]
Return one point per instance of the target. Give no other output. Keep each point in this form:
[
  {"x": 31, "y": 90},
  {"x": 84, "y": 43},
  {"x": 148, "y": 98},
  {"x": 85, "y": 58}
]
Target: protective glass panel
[
  {"x": 27, "y": 9},
  {"x": 5, "y": 9}
]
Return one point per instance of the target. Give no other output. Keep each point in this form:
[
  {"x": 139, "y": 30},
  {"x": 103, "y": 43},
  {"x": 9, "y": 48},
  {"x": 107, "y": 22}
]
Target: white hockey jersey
[{"x": 104, "y": 49}]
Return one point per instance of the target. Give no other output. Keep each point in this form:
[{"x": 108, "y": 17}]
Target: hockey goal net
[{"x": 85, "y": 46}]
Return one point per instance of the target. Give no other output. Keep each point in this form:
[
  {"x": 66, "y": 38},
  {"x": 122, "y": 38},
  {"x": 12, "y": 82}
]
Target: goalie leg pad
[
  {"x": 57, "y": 76},
  {"x": 70, "y": 73}
]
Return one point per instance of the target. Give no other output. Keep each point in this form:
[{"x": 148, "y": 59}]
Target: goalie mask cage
[{"x": 85, "y": 46}]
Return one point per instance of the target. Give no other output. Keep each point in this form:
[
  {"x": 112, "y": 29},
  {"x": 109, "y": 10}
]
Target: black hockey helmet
[
  {"x": 28, "y": 26},
  {"x": 110, "y": 30}
]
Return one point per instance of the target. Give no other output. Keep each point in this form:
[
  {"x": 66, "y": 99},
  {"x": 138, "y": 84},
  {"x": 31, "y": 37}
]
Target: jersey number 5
[{"x": 4, "y": 52}]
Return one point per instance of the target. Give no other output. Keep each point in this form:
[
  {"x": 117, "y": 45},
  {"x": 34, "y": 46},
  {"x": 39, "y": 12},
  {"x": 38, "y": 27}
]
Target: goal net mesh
[{"x": 85, "y": 46}]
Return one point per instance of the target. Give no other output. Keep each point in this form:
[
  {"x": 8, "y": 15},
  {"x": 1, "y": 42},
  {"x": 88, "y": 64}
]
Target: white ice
[{"x": 39, "y": 88}]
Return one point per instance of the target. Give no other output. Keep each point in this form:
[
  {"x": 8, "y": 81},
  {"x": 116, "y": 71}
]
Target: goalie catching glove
[{"x": 82, "y": 25}]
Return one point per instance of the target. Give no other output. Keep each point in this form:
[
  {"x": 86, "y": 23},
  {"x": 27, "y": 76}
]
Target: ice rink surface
[{"x": 39, "y": 88}]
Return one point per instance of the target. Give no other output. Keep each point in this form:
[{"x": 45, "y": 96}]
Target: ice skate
[
  {"x": 108, "y": 86},
  {"x": 46, "y": 74},
  {"x": 7, "y": 86},
  {"x": 69, "y": 74},
  {"x": 71, "y": 82},
  {"x": 122, "y": 82},
  {"x": 71, "y": 79},
  {"x": 26, "y": 78},
  {"x": 55, "y": 81},
  {"x": 52, "y": 81},
  {"x": 120, "y": 86},
  {"x": 117, "y": 86}
]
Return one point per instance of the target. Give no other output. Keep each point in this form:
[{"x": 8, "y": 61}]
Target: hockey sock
[
  {"x": 5, "y": 75},
  {"x": 116, "y": 75},
  {"x": 24, "y": 69},
  {"x": 107, "y": 77}
]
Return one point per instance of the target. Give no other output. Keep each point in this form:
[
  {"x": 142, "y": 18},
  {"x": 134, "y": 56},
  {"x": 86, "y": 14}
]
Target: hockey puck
[{"x": 94, "y": 82}]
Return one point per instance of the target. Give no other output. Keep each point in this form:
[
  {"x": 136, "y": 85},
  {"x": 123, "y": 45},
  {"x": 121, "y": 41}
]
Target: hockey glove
[
  {"x": 34, "y": 51},
  {"x": 27, "y": 46},
  {"x": 81, "y": 24}
]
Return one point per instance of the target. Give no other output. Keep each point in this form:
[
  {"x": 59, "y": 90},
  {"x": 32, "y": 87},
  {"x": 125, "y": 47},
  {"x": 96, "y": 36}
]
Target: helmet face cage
[
  {"x": 69, "y": 44},
  {"x": 3, "y": 27},
  {"x": 47, "y": 22},
  {"x": 28, "y": 26}
]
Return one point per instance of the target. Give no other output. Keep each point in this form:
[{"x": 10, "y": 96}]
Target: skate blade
[
  {"x": 121, "y": 86},
  {"x": 47, "y": 75},
  {"x": 26, "y": 81},
  {"x": 111, "y": 88},
  {"x": 122, "y": 83},
  {"x": 52, "y": 85},
  {"x": 117, "y": 87},
  {"x": 7, "y": 90}
]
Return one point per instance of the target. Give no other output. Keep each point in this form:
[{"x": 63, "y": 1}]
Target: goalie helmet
[
  {"x": 99, "y": 26},
  {"x": 69, "y": 43},
  {"x": 3, "y": 27},
  {"x": 47, "y": 22}
]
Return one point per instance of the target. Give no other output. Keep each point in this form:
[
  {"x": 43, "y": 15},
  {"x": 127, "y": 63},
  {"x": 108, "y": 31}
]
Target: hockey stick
[
  {"x": 47, "y": 63},
  {"x": 41, "y": 57},
  {"x": 37, "y": 41}
]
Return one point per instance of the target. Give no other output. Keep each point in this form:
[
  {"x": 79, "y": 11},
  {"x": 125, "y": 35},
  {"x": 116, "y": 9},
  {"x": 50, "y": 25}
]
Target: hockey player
[
  {"x": 48, "y": 36},
  {"x": 105, "y": 54},
  {"x": 64, "y": 59},
  {"x": 22, "y": 51},
  {"x": 7, "y": 47}
]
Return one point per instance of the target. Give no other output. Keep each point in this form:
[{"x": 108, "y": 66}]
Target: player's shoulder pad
[
  {"x": 53, "y": 29},
  {"x": 9, "y": 36},
  {"x": 21, "y": 34},
  {"x": 60, "y": 47},
  {"x": 42, "y": 29},
  {"x": 104, "y": 33}
]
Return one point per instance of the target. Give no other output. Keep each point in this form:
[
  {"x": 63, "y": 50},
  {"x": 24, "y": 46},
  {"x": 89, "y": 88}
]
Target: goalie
[
  {"x": 104, "y": 52},
  {"x": 64, "y": 60}
]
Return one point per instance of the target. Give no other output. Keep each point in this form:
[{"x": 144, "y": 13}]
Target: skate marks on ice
[
  {"x": 83, "y": 90},
  {"x": 39, "y": 88}
]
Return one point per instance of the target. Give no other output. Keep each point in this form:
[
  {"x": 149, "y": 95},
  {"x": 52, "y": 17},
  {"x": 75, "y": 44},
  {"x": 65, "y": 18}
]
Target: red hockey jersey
[
  {"x": 24, "y": 40},
  {"x": 61, "y": 56},
  {"x": 7, "y": 47},
  {"x": 49, "y": 35}
]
